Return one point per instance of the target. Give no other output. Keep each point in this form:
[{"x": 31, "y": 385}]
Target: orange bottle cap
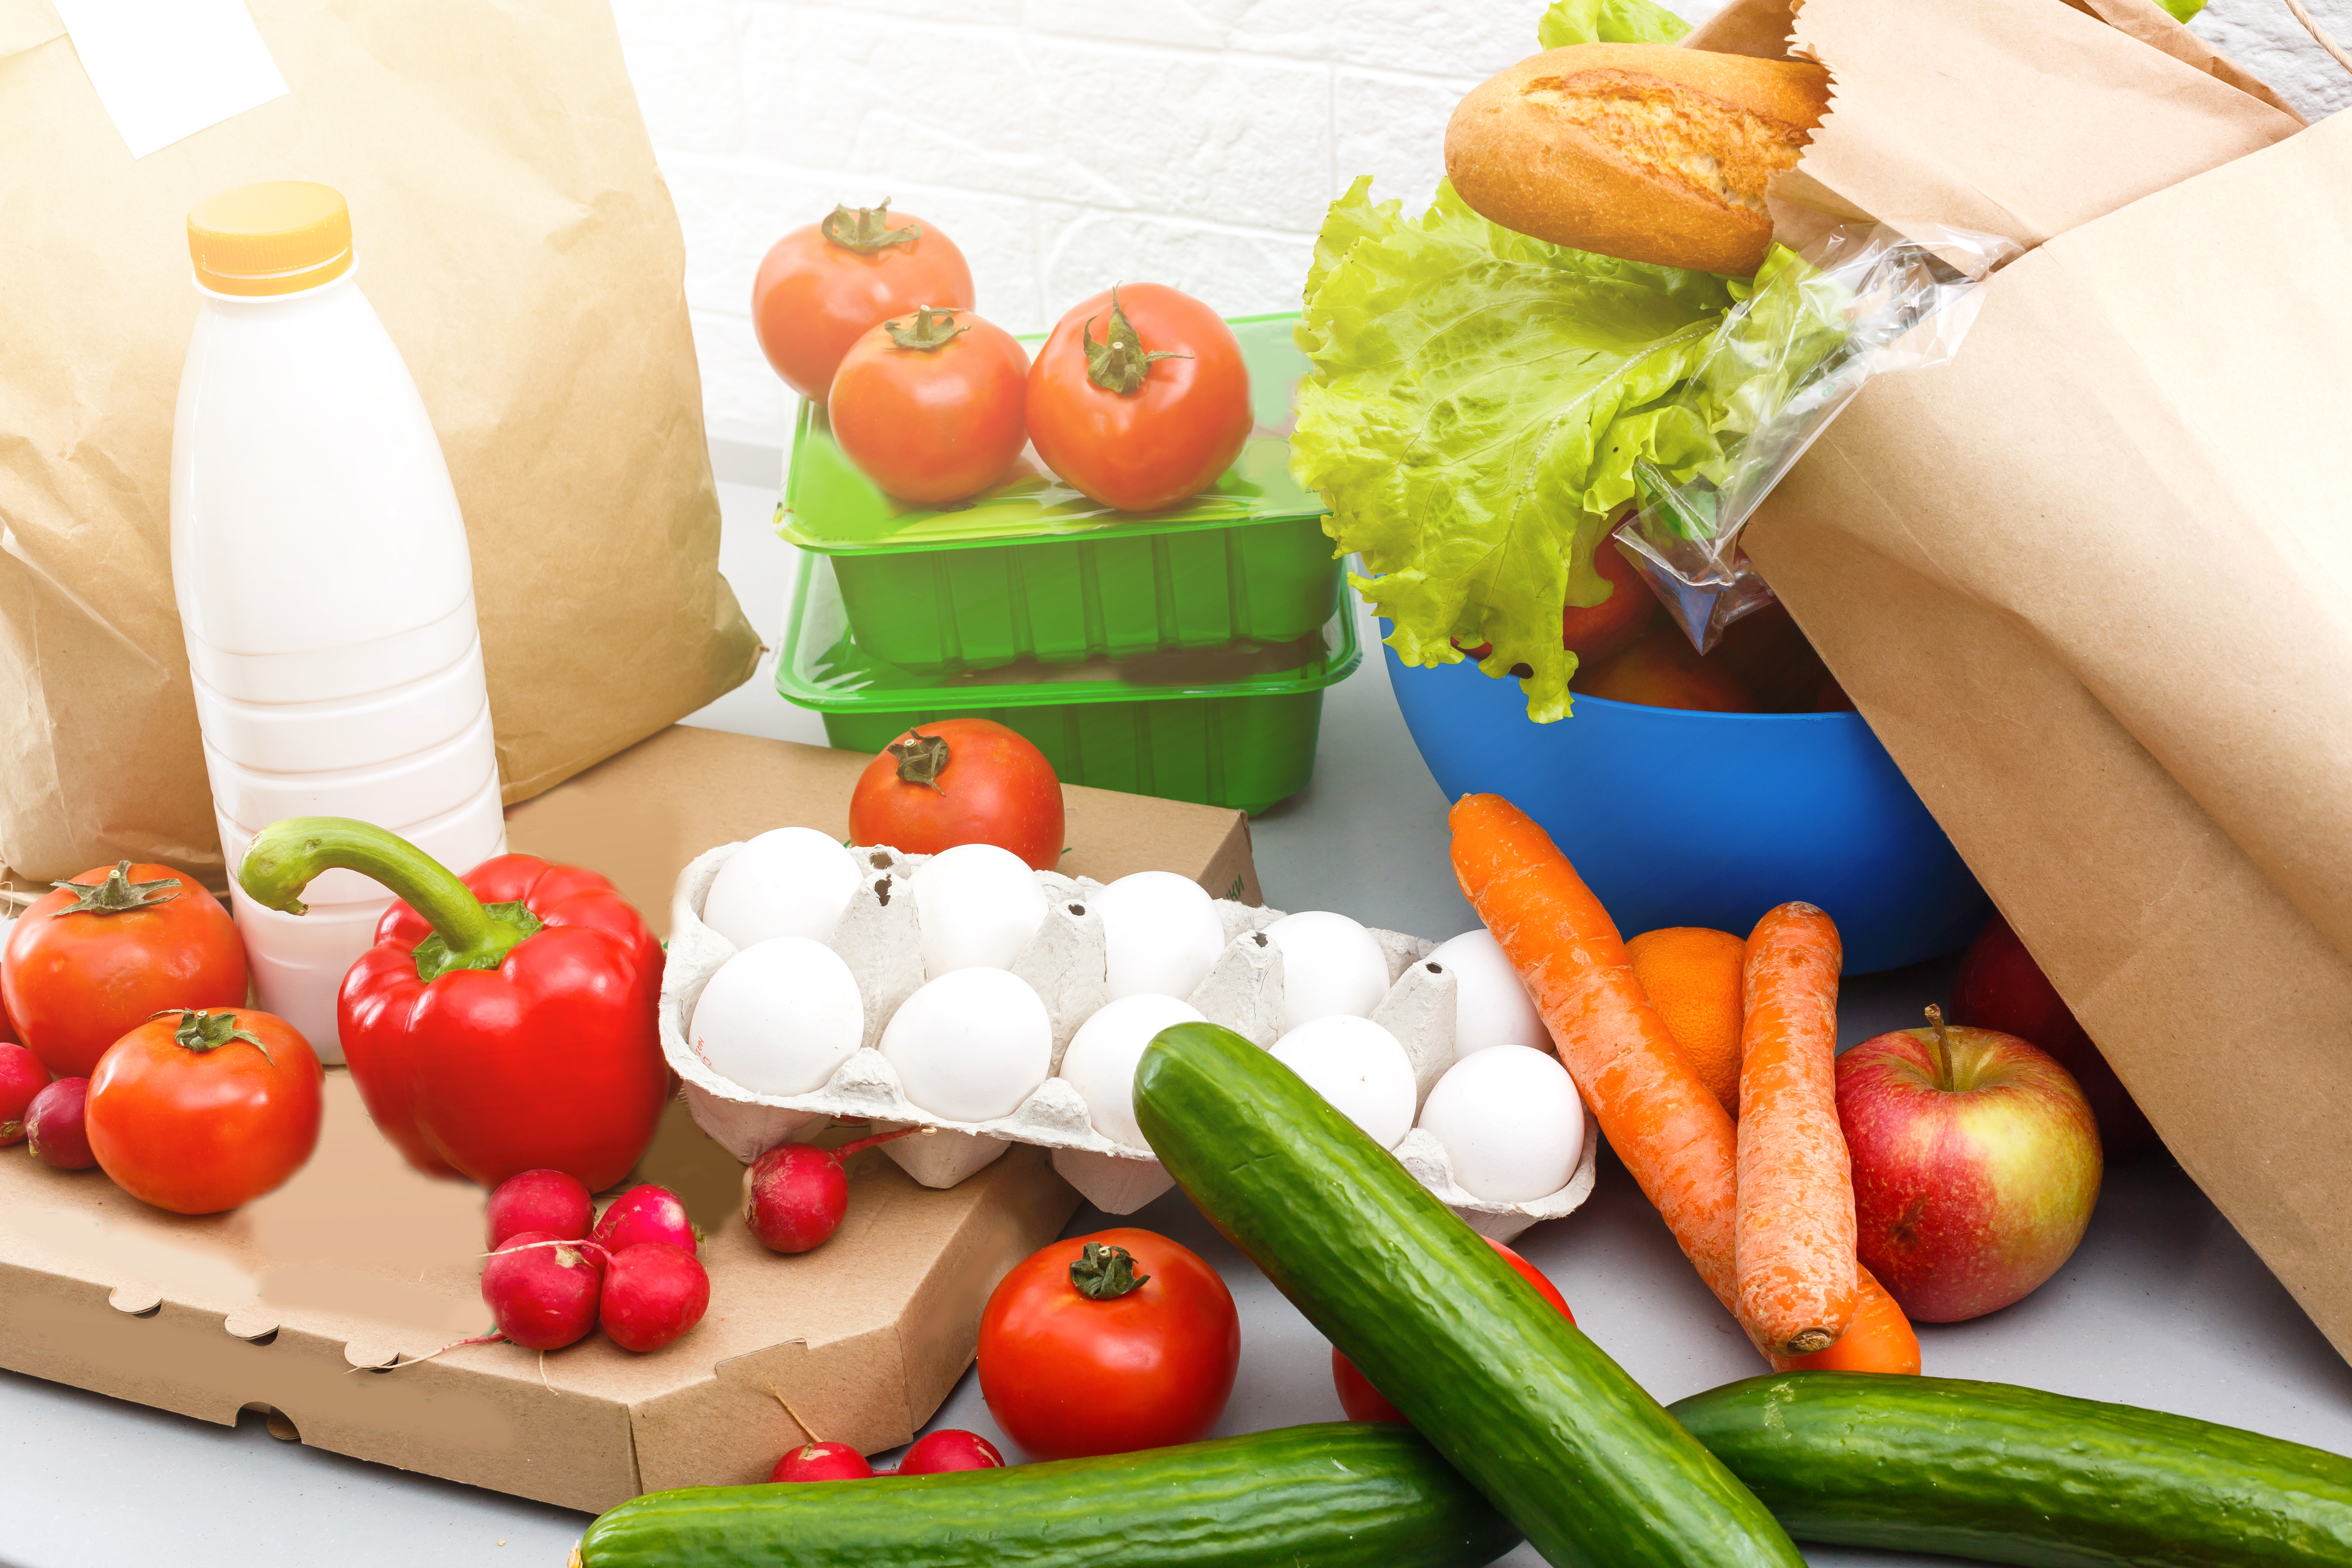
[{"x": 273, "y": 238}]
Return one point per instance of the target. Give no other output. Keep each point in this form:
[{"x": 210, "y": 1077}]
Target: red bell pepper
[{"x": 503, "y": 1021}]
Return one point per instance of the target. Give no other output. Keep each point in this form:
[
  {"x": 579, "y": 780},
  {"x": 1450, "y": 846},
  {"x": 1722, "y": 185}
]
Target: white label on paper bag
[{"x": 168, "y": 68}]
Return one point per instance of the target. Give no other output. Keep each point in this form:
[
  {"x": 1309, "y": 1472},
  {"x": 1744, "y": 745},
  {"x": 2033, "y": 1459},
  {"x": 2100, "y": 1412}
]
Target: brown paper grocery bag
[
  {"x": 511, "y": 230},
  {"x": 2090, "y": 581}
]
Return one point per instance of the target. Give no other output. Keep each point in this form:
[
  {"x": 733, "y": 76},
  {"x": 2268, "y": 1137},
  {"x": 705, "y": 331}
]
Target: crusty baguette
[{"x": 1639, "y": 151}]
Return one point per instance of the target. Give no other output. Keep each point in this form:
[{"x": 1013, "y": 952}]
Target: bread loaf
[{"x": 1639, "y": 151}]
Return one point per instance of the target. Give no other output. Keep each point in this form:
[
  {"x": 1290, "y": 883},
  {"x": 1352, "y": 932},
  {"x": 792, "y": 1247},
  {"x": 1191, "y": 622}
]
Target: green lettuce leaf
[
  {"x": 2182, "y": 10},
  {"x": 1617, "y": 22},
  {"x": 1477, "y": 403}
]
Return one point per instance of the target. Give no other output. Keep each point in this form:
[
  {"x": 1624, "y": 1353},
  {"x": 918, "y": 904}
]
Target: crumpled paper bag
[{"x": 2092, "y": 581}]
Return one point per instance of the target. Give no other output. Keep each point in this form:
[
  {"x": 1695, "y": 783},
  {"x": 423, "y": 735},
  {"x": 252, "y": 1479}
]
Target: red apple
[
  {"x": 1976, "y": 1166},
  {"x": 2000, "y": 988}
]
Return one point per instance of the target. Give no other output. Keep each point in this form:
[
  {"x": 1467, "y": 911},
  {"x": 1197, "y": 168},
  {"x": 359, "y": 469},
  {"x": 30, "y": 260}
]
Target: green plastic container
[
  {"x": 1033, "y": 571},
  {"x": 1233, "y": 727}
]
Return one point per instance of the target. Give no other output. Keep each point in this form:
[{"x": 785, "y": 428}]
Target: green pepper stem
[{"x": 285, "y": 857}]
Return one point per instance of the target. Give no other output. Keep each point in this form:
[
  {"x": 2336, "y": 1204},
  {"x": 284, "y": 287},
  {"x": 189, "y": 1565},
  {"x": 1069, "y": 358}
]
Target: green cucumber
[
  {"x": 2014, "y": 1474},
  {"x": 1338, "y": 1495},
  {"x": 1560, "y": 1439}
]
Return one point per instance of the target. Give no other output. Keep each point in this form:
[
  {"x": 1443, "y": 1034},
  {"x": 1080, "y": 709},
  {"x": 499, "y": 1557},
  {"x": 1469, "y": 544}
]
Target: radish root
[
  {"x": 807, "y": 1431},
  {"x": 489, "y": 1339}
]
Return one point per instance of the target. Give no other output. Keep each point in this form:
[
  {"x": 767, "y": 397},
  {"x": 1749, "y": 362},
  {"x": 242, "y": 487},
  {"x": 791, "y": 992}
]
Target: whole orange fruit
[{"x": 1692, "y": 975}]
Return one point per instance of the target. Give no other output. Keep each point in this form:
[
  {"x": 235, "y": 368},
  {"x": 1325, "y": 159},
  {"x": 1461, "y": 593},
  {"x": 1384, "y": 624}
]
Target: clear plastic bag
[{"x": 1810, "y": 328}]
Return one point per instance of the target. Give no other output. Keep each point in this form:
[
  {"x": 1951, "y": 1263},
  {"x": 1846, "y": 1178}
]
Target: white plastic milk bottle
[{"x": 323, "y": 581}]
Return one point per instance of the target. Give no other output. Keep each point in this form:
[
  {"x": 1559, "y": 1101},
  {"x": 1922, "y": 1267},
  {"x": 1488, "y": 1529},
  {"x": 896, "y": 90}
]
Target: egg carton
[{"x": 878, "y": 938}]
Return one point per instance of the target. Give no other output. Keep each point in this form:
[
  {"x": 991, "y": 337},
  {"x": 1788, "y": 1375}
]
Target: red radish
[
  {"x": 54, "y": 1125},
  {"x": 552, "y": 1203},
  {"x": 822, "y": 1462},
  {"x": 645, "y": 1214},
  {"x": 795, "y": 1194},
  {"x": 542, "y": 1291},
  {"x": 22, "y": 1077},
  {"x": 594, "y": 1255},
  {"x": 653, "y": 1293},
  {"x": 950, "y": 1448}
]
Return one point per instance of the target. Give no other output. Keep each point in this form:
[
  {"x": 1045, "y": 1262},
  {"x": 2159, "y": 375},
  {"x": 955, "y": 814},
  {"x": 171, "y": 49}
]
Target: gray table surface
[{"x": 2163, "y": 1305}]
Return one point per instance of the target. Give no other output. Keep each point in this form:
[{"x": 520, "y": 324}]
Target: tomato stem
[
  {"x": 925, "y": 334},
  {"x": 201, "y": 1031},
  {"x": 1106, "y": 1273},
  {"x": 865, "y": 229},
  {"x": 921, "y": 758},
  {"x": 118, "y": 893},
  {"x": 1118, "y": 365},
  {"x": 286, "y": 856}
]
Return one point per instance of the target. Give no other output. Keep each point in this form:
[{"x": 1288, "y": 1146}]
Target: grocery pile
[{"x": 1537, "y": 416}]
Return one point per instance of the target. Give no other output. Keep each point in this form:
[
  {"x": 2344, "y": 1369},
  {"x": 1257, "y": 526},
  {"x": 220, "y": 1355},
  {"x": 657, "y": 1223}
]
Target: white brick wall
[{"x": 1067, "y": 144}]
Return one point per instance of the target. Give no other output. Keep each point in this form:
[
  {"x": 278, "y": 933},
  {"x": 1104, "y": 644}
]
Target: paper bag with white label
[
  {"x": 2088, "y": 582},
  {"x": 511, "y": 231}
]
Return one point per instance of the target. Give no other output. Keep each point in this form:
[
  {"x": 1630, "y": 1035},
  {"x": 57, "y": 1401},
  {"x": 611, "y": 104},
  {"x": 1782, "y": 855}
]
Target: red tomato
[
  {"x": 961, "y": 781},
  {"x": 1106, "y": 1344},
  {"x": 198, "y": 1113},
  {"x": 928, "y": 406},
  {"x": 85, "y": 965},
  {"x": 822, "y": 285},
  {"x": 1126, "y": 426},
  {"x": 1363, "y": 1402}
]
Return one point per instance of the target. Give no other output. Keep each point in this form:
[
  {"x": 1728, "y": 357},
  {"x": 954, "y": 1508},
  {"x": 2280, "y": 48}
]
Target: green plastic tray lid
[{"x": 830, "y": 507}]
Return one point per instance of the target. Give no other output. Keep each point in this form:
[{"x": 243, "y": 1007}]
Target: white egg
[
  {"x": 1100, "y": 1062},
  {"x": 1511, "y": 1120},
  {"x": 780, "y": 1016},
  {"x": 1359, "y": 1068},
  {"x": 1491, "y": 1006},
  {"x": 1330, "y": 965},
  {"x": 971, "y": 1045},
  {"x": 1161, "y": 934},
  {"x": 791, "y": 881},
  {"x": 978, "y": 905}
]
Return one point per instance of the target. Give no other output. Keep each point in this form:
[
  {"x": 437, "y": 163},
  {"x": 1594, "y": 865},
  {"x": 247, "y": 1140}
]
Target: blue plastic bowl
[{"x": 1676, "y": 818}]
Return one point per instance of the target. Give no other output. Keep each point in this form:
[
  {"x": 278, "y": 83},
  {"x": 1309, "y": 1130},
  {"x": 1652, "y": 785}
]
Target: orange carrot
[
  {"x": 1793, "y": 1250},
  {"x": 1662, "y": 1121},
  {"x": 1878, "y": 1339}
]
